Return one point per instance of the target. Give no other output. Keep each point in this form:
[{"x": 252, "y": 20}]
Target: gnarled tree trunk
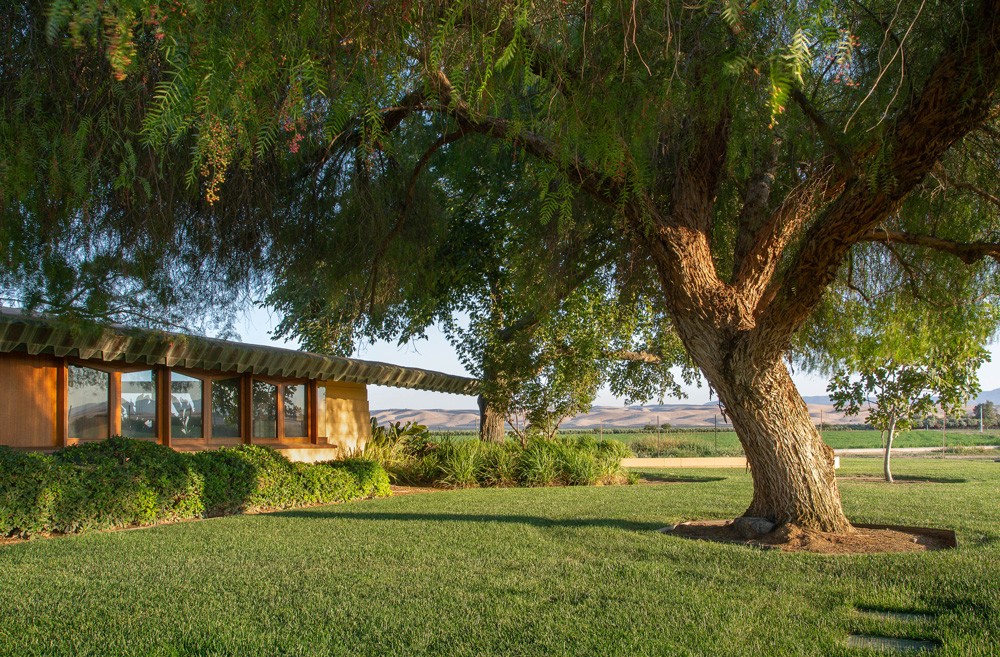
[
  {"x": 491, "y": 423},
  {"x": 794, "y": 481},
  {"x": 792, "y": 468}
]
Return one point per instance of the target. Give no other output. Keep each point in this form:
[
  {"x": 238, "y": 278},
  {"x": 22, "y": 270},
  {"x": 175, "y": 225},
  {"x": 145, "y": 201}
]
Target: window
[
  {"x": 88, "y": 403},
  {"x": 265, "y": 410},
  {"x": 138, "y": 404},
  {"x": 226, "y": 408},
  {"x": 294, "y": 398},
  {"x": 186, "y": 395}
]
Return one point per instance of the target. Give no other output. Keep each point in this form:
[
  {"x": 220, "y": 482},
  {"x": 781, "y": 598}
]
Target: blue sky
[{"x": 436, "y": 354}]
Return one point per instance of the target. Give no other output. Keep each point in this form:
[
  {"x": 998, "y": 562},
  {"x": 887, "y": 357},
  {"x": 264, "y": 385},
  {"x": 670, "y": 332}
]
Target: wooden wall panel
[
  {"x": 28, "y": 401},
  {"x": 348, "y": 420}
]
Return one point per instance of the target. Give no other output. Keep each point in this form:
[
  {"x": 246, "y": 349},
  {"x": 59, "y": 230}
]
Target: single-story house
[{"x": 66, "y": 383}]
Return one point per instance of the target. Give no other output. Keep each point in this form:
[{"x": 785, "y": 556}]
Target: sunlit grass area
[{"x": 550, "y": 571}]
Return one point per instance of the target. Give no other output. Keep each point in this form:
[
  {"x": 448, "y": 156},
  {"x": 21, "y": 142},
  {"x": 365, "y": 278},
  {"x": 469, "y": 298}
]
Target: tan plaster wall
[{"x": 348, "y": 420}]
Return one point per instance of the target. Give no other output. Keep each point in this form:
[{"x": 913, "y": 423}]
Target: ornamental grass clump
[
  {"x": 459, "y": 464},
  {"x": 499, "y": 464},
  {"x": 412, "y": 456},
  {"x": 539, "y": 464}
]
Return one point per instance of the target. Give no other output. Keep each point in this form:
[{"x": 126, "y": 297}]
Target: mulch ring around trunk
[{"x": 865, "y": 539}]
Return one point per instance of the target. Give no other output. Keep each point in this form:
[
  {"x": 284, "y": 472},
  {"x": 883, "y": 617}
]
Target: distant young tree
[
  {"x": 987, "y": 412},
  {"x": 903, "y": 373}
]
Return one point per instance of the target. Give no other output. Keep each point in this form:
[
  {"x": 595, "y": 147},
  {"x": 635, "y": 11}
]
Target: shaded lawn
[{"x": 571, "y": 571}]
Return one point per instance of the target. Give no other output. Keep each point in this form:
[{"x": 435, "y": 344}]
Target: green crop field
[
  {"x": 554, "y": 571},
  {"x": 724, "y": 443}
]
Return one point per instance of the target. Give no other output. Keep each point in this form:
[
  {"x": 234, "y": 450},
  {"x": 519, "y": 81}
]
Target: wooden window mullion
[
  {"x": 164, "y": 405},
  {"x": 206, "y": 410},
  {"x": 246, "y": 409},
  {"x": 312, "y": 397},
  {"x": 115, "y": 403},
  {"x": 62, "y": 403},
  {"x": 279, "y": 421}
]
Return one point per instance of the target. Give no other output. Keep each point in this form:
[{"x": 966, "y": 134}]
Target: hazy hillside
[{"x": 678, "y": 415}]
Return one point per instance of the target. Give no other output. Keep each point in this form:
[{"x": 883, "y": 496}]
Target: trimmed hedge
[{"x": 121, "y": 482}]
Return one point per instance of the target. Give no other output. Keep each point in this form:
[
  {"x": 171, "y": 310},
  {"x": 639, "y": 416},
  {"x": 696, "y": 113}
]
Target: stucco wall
[{"x": 348, "y": 420}]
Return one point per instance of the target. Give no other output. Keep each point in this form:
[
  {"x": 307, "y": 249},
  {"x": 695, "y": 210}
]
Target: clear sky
[{"x": 436, "y": 354}]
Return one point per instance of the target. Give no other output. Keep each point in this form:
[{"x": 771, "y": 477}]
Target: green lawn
[{"x": 560, "y": 571}]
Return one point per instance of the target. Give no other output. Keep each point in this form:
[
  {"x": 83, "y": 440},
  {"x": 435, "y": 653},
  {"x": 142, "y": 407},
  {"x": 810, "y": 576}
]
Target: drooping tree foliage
[
  {"x": 763, "y": 160},
  {"x": 541, "y": 304},
  {"x": 909, "y": 359}
]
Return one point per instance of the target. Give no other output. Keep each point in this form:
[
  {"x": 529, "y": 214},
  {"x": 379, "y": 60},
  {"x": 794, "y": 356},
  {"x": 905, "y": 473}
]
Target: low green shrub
[
  {"x": 370, "y": 479},
  {"x": 30, "y": 489},
  {"x": 230, "y": 480},
  {"x": 120, "y": 482}
]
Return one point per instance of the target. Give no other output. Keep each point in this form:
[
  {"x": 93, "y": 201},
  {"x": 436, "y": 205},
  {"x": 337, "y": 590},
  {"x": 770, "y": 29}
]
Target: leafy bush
[
  {"x": 230, "y": 480},
  {"x": 120, "y": 482},
  {"x": 370, "y": 478},
  {"x": 30, "y": 489},
  {"x": 125, "y": 482}
]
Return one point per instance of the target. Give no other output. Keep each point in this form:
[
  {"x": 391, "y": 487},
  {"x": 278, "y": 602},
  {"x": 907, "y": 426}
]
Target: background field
[
  {"x": 707, "y": 443},
  {"x": 556, "y": 571}
]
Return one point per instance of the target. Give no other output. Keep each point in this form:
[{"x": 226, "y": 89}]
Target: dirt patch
[{"x": 865, "y": 539}]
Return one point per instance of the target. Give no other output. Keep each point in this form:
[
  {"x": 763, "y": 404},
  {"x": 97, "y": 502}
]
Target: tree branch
[
  {"x": 600, "y": 186},
  {"x": 967, "y": 252},
  {"x": 966, "y": 186},
  {"x": 958, "y": 95},
  {"x": 826, "y": 132},
  {"x": 397, "y": 228},
  {"x": 634, "y": 356}
]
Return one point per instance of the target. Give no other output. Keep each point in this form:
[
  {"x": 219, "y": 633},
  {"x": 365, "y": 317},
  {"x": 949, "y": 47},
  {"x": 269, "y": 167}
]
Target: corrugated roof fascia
[{"x": 38, "y": 334}]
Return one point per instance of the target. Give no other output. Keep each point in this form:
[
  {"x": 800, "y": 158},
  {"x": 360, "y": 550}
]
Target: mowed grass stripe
[{"x": 568, "y": 571}]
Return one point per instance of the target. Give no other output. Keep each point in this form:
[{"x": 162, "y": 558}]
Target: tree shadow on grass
[
  {"x": 535, "y": 521},
  {"x": 677, "y": 479},
  {"x": 903, "y": 479},
  {"x": 923, "y": 479}
]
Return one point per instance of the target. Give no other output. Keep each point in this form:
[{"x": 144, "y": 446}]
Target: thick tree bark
[
  {"x": 794, "y": 481},
  {"x": 491, "y": 423}
]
